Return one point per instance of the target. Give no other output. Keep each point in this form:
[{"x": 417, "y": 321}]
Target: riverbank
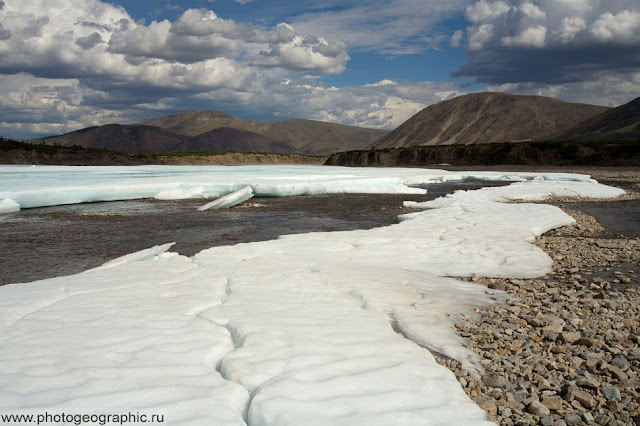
[
  {"x": 20, "y": 153},
  {"x": 561, "y": 153},
  {"x": 566, "y": 349}
]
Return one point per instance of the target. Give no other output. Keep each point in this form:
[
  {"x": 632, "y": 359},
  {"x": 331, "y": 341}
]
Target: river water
[{"x": 47, "y": 242}]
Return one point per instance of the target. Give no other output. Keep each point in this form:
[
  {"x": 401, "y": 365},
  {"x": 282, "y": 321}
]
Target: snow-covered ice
[
  {"x": 55, "y": 185},
  {"x": 315, "y": 329}
]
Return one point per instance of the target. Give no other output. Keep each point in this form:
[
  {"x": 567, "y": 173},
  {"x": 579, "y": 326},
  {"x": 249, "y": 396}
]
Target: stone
[
  {"x": 490, "y": 408},
  {"x": 611, "y": 393},
  {"x": 584, "y": 398},
  {"x": 570, "y": 336},
  {"x": 547, "y": 421},
  {"x": 552, "y": 403},
  {"x": 572, "y": 419},
  {"x": 538, "y": 409},
  {"x": 617, "y": 373},
  {"x": 620, "y": 362},
  {"x": 494, "y": 380},
  {"x": 588, "y": 381},
  {"x": 589, "y": 342}
]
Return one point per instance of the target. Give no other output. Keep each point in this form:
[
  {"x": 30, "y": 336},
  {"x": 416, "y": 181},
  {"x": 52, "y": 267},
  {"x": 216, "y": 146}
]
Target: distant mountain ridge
[
  {"x": 477, "y": 118},
  {"x": 193, "y": 131},
  {"x": 489, "y": 117}
]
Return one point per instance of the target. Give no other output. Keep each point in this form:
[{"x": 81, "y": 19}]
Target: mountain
[
  {"x": 306, "y": 136},
  {"x": 489, "y": 117},
  {"x": 319, "y": 137},
  {"x": 192, "y": 131},
  {"x": 193, "y": 123},
  {"x": 618, "y": 123},
  {"x": 141, "y": 138},
  {"x": 116, "y": 137}
]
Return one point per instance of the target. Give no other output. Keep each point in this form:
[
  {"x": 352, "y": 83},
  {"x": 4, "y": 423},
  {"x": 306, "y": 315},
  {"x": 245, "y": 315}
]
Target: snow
[
  {"x": 230, "y": 200},
  {"x": 7, "y": 205},
  {"x": 322, "y": 328}
]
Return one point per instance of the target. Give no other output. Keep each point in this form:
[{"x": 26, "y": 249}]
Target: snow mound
[{"x": 8, "y": 206}]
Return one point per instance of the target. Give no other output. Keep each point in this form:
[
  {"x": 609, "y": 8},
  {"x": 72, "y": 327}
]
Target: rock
[
  {"x": 568, "y": 391},
  {"x": 588, "y": 381},
  {"x": 611, "y": 393},
  {"x": 552, "y": 403},
  {"x": 585, "y": 399},
  {"x": 494, "y": 380},
  {"x": 620, "y": 362},
  {"x": 590, "y": 342},
  {"x": 490, "y": 408},
  {"x": 572, "y": 419},
  {"x": 617, "y": 373},
  {"x": 538, "y": 409},
  {"x": 547, "y": 421},
  {"x": 570, "y": 336}
]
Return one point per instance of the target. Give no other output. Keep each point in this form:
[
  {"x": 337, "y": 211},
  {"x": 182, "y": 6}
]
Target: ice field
[{"x": 331, "y": 328}]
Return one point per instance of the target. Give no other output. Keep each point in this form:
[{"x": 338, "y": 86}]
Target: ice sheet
[
  {"x": 314, "y": 329},
  {"x": 54, "y": 185}
]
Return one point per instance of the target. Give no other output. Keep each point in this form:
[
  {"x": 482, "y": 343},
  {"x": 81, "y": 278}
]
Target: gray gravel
[{"x": 566, "y": 349}]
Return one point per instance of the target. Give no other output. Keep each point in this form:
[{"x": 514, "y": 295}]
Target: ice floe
[
  {"x": 326, "y": 328},
  {"x": 230, "y": 200},
  {"x": 55, "y": 185}
]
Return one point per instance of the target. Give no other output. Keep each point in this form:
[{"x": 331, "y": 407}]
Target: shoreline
[{"x": 565, "y": 350}]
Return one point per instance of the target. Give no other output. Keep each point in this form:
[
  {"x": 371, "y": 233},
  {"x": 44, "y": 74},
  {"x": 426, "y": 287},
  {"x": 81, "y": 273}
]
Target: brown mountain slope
[
  {"x": 193, "y": 123},
  {"x": 618, "y": 123},
  {"x": 116, "y": 137},
  {"x": 139, "y": 138},
  {"x": 319, "y": 137},
  {"x": 227, "y": 139},
  {"x": 489, "y": 117}
]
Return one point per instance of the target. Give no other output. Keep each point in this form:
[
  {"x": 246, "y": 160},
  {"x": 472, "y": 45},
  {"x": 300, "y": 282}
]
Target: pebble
[{"x": 562, "y": 351}]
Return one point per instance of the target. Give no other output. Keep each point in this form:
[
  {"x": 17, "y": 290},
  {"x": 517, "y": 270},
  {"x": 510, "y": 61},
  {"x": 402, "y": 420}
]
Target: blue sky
[{"x": 69, "y": 64}]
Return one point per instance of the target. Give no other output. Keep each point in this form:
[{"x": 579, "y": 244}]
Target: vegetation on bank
[
  {"x": 561, "y": 153},
  {"x": 59, "y": 154}
]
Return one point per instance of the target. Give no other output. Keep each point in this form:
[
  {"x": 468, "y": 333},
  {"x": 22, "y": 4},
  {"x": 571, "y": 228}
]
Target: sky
[{"x": 70, "y": 64}]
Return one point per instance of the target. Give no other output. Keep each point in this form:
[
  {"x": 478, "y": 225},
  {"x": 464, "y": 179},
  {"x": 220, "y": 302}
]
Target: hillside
[
  {"x": 194, "y": 123},
  {"x": 306, "y": 136},
  {"x": 227, "y": 139},
  {"x": 319, "y": 137},
  {"x": 125, "y": 138},
  {"x": 618, "y": 123},
  {"x": 140, "y": 138},
  {"x": 489, "y": 117}
]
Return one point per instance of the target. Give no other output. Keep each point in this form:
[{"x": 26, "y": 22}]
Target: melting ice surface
[{"x": 295, "y": 331}]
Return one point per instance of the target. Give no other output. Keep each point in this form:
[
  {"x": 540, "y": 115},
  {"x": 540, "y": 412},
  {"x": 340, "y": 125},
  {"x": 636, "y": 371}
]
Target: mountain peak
[{"x": 489, "y": 117}]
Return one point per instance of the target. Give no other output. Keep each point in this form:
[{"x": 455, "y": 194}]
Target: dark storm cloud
[
  {"x": 550, "y": 41},
  {"x": 552, "y": 66}
]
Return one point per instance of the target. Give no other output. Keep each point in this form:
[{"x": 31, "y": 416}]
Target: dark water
[
  {"x": 53, "y": 241},
  {"x": 621, "y": 218}
]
